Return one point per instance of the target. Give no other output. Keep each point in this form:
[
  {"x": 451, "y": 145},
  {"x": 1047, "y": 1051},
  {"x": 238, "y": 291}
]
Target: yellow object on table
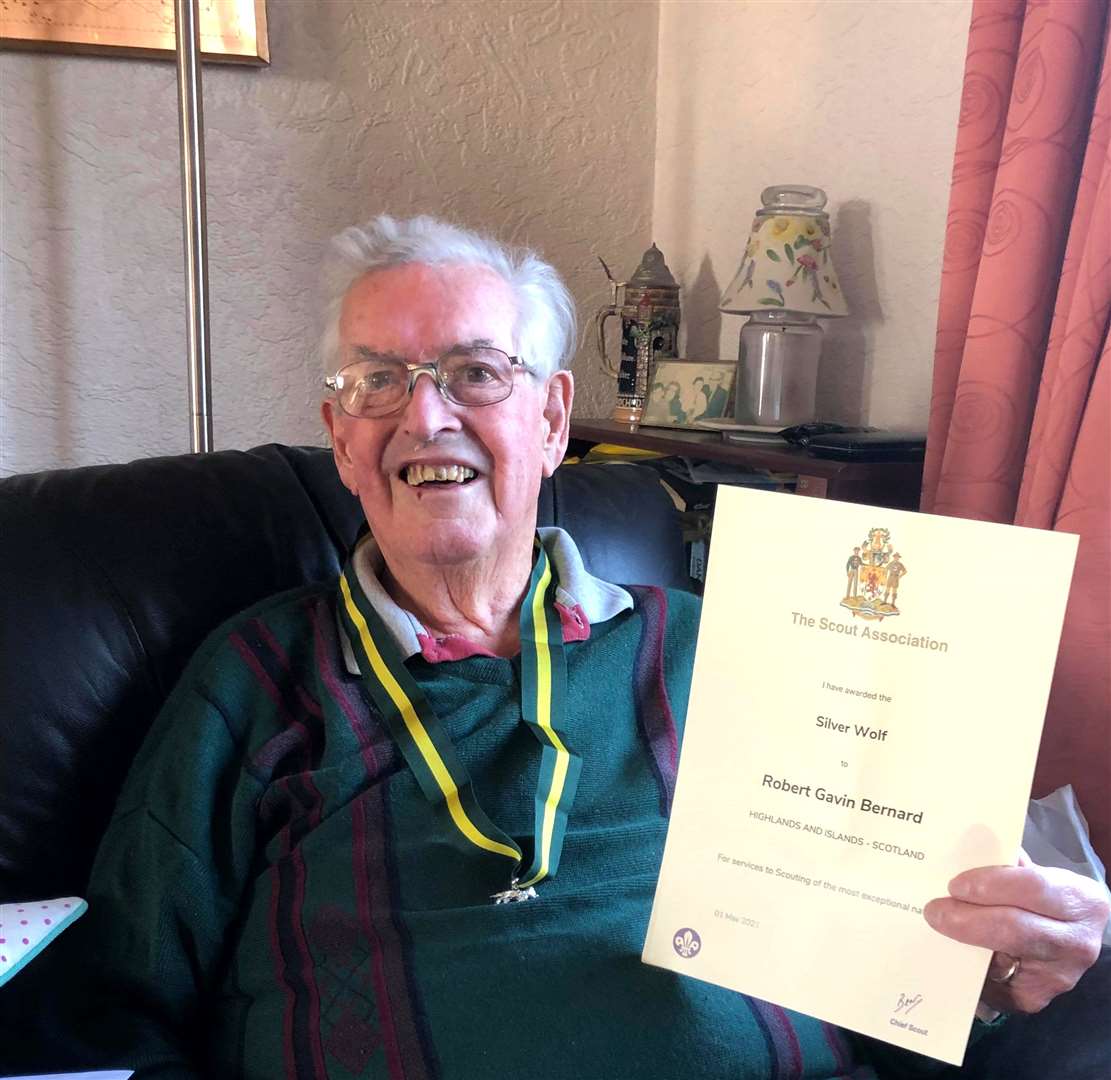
[{"x": 611, "y": 452}]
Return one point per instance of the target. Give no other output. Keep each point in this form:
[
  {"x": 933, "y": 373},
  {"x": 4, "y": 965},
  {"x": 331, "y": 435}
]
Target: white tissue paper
[{"x": 1056, "y": 834}]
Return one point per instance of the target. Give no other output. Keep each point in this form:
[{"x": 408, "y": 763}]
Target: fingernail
[
  {"x": 932, "y": 912},
  {"x": 958, "y": 887}
]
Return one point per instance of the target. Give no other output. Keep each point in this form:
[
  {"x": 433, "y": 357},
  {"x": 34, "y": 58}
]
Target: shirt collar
[{"x": 582, "y": 601}]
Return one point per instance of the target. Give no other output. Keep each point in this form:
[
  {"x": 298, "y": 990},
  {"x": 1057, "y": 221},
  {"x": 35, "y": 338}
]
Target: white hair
[{"x": 544, "y": 334}]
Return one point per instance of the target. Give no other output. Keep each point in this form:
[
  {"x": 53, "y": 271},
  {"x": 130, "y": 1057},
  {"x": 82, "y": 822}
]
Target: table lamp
[{"x": 785, "y": 281}]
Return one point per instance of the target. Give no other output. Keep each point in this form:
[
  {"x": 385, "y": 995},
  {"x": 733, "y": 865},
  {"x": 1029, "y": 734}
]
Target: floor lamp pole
[{"x": 194, "y": 222}]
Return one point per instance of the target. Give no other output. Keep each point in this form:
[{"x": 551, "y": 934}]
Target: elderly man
[{"x": 411, "y": 826}]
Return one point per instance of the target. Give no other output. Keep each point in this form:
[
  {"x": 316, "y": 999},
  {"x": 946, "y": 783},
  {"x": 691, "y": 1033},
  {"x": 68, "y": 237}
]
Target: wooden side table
[{"x": 894, "y": 484}]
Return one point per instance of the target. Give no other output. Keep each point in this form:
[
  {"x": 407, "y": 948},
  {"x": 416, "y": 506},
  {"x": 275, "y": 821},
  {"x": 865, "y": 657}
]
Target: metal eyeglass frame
[{"x": 431, "y": 368}]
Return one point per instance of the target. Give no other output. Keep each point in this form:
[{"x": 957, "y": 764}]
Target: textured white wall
[
  {"x": 859, "y": 97},
  {"x": 533, "y": 120}
]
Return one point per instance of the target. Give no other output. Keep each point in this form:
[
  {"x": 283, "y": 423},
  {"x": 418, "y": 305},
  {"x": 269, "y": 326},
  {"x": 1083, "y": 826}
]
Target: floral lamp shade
[{"x": 787, "y": 264}]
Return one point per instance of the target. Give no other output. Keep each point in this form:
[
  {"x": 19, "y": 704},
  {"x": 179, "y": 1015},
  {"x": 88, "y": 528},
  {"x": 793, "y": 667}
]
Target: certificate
[{"x": 868, "y": 695}]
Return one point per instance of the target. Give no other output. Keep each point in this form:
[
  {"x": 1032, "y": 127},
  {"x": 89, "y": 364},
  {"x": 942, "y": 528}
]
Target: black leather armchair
[{"x": 111, "y": 576}]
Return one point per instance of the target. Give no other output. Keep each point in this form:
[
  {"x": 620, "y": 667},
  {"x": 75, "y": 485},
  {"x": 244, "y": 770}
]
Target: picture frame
[
  {"x": 681, "y": 392},
  {"x": 232, "y": 31}
]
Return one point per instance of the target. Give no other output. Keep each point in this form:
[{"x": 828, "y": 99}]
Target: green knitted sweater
[{"x": 275, "y": 898}]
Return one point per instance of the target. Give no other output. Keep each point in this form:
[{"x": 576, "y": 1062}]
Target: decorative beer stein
[{"x": 649, "y": 311}]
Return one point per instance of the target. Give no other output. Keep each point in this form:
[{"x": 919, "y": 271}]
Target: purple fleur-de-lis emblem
[{"x": 687, "y": 942}]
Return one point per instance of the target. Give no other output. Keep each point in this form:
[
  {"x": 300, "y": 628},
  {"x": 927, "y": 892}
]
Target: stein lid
[{"x": 653, "y": 272}]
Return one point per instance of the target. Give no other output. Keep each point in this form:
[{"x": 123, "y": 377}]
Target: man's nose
[{"x": 426, "y": 412}]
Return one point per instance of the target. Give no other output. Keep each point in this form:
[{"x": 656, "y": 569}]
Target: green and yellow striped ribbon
[{"x": 431, "y": 755}]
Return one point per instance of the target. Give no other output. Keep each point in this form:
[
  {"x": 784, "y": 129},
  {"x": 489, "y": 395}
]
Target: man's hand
[{"x": 1049, "y": 920}]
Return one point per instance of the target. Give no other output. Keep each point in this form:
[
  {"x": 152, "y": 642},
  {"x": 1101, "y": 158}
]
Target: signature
[{"x": 907, "y": 1004}]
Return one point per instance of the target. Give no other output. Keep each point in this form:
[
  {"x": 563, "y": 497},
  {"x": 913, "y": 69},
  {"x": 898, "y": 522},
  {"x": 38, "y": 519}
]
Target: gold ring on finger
[{"x": 1011, "y": 971}]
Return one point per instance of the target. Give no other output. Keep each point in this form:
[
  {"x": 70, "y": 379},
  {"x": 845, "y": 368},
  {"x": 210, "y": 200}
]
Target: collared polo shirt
[{"x": 582, "y": 600}]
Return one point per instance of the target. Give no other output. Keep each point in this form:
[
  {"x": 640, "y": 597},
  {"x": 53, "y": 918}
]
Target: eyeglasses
[{"x": 378, "y": 385}]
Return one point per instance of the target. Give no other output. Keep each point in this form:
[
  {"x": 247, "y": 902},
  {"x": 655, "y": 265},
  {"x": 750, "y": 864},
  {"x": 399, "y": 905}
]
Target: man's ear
[
  {"x": 337, "y": 430},
  {"x": 557, "y": 418}
]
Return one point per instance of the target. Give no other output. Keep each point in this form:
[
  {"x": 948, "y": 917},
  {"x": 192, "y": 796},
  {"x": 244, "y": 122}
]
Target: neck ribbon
[{"x": 432, "y": 756}]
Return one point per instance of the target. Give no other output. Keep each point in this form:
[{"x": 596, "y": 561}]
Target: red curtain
[{"x": 1020, "y": 421}]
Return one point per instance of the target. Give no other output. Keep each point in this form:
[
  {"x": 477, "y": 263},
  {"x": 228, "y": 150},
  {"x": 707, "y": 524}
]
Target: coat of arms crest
[{"x": 873, "y": 573}]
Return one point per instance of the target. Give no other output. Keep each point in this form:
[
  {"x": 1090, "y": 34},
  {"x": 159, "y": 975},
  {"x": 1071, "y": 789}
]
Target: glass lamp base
[{"x": 777, "y": 369}]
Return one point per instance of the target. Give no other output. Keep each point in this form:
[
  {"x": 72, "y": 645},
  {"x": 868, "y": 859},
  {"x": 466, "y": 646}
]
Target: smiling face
[{"x": 417, "y": 312}]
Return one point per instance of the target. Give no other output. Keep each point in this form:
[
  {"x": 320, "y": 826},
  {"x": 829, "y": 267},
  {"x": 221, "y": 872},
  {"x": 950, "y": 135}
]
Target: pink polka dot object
[{"x": 46, "y": 920}]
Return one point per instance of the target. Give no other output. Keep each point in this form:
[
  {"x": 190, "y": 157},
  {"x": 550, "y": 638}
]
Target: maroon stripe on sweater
[
  {"x": 280, "y": 967},
  {"x": 375, "y": 745},
  {"x": 838, "y": 1044},
  {"x": 393, "y": 972},
  {"x": 654, "y": 717},
  {"x": 356, "y": 715},
  {"x": 307, "y": 1046},
  {"x": 304, "y": 699},
  {"x": 393, "y": 993},
  {"x": 303, "y": 1051},
  {"x": 386, "y": 1018},
  {"x": 297, "y": 736},
  {"x": 769, "y": 1038},
  {"x": 788, "y": 1052}
]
